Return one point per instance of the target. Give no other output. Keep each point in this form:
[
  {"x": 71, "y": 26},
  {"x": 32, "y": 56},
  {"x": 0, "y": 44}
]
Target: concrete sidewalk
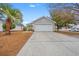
[{"x": 50, "y": 44}]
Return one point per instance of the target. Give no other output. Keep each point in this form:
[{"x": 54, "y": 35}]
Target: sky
[{"x": 31, "y": 11}]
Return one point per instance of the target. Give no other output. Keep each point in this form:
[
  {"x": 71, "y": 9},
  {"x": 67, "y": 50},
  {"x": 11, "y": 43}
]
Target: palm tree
[{"x": 12, "y": 15}]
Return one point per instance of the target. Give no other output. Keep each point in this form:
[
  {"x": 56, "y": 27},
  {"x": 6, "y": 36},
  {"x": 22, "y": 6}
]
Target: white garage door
[{"x": 43, "y": 28}]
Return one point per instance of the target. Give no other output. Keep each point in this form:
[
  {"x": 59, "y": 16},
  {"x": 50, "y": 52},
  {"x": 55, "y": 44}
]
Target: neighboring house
[
  {"x": 43, "y": 24},
  {"x": 18, "y": 27},
  {"x": 77, "y": 19},
  {"x": 1, "y": 22}
]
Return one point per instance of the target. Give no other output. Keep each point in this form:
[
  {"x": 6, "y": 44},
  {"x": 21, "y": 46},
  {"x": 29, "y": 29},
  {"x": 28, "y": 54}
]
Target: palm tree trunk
[{"x": 8, "y": 26}]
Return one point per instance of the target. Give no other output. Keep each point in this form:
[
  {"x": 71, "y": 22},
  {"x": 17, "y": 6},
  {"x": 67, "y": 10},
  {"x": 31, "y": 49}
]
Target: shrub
[
  {"x": 24, "y": 29},
  {"x": 30, "y": 29}
]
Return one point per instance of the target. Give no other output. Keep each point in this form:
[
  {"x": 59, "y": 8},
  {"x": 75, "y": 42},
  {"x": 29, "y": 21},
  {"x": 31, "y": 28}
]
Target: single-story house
[
  {"x": 43, "y": 24},
  {"x": 18, "y": 27}
]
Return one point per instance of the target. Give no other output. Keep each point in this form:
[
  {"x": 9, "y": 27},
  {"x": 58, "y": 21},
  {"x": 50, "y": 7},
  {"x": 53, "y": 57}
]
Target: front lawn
[
  {"x": 69, "y": 33},
  {"x": 11, "y": 44},
  {"x": 73, "y": 34}
]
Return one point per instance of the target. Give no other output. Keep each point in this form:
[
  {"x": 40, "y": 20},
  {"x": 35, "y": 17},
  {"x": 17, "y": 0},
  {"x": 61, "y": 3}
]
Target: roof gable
[{"x": 42, "y": 20}]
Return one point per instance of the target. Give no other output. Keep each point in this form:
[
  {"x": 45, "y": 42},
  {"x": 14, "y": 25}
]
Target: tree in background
[
  {"x": 62, "y": 18},
  {"x": 29, "y": 27},
  {"x": 61, "y": 15}
]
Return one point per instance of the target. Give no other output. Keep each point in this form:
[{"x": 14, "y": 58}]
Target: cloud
[{"x": 31, "y": 5}]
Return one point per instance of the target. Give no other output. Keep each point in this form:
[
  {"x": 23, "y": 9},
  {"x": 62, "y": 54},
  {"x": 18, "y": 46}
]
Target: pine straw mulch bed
[{"x": 10, "y": 45}]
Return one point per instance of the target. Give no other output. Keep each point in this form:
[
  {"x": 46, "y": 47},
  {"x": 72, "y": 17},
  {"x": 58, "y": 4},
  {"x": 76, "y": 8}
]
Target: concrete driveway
[{"x": 50, "y": 44}]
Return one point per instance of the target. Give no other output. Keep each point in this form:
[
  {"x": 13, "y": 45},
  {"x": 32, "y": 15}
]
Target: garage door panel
[{"x": 43, "y": 27}]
